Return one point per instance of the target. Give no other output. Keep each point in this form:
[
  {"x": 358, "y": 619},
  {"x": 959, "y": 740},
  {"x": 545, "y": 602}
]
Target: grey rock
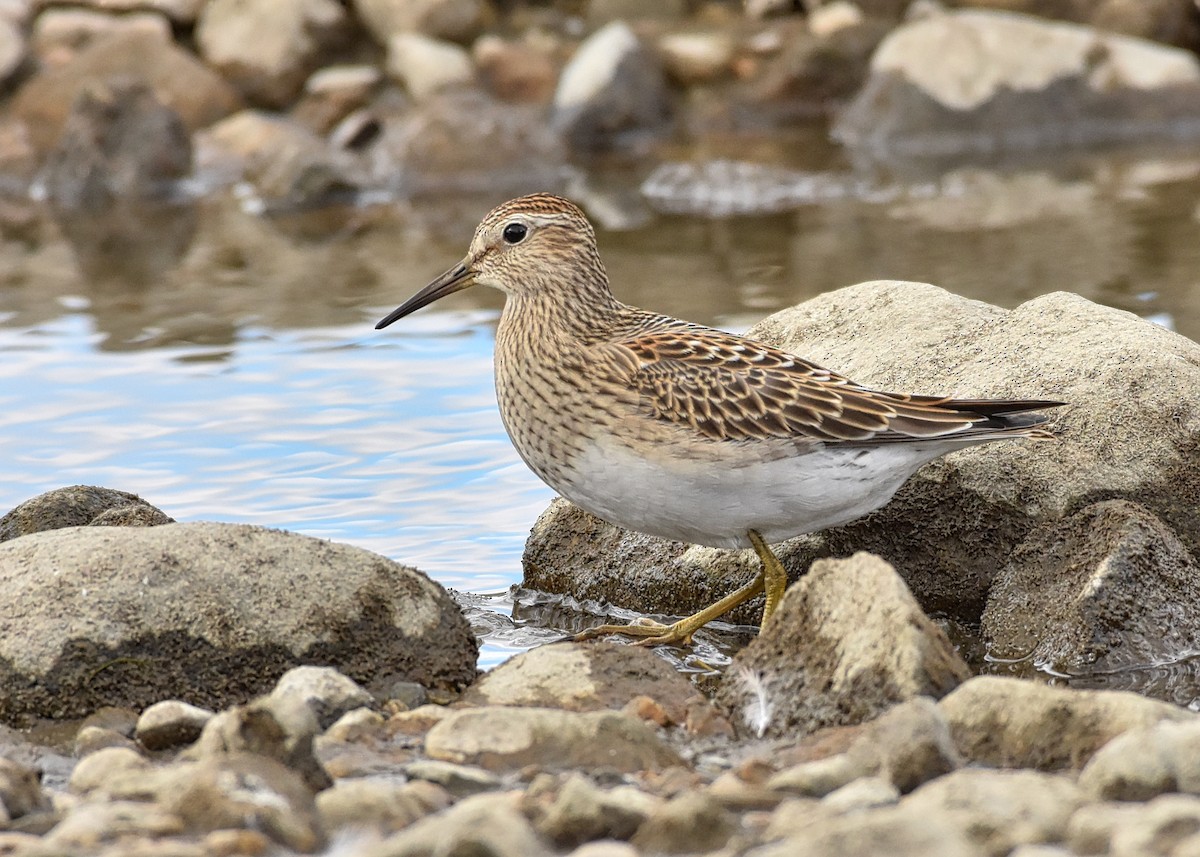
[
  {"x": 1145, "y": 762},
  {"x": 499, "y": 738},
  {"x": 324, "y": 690},
  {"x": 20, "y": 791},
  {"x": 167, "y": 613},
  {"x": 1000, "y": 810},
  {"x": 1003, "y": 722},
  {"x": 1107, "y": 590},
  {"x": 171, "y": 723},
  {"x": 830, "y": 657},
  {"x": 581, "y": 811},
  {"x": 690, "y": 823},
  {"x": 890, "y": 831},
  {"x": 268, "y": 47},
  {"x": 612, "y": 91},
  {"x": 1128, "y": 434},
  {"x": 981, "y": 81},
  {"x": 426, "y": 65},
  {"x": 583, "y": 677},
  {"x": 484, "y": 824},
  {"x": 457, "y": 780},
  {"x": 76, "y": 506},
  {"x": 378, "y": 803}
]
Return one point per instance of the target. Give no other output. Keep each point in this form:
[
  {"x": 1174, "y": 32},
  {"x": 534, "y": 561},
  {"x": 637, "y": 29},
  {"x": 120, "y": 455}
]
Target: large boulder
[
  {"x": 1130, "y": 430},
  {"x": 211, "y": 614}
]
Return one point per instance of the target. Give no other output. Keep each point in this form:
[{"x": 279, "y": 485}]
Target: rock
[
  {"x": 90, "y": 825},
  {"x": 894, "y": 831},
  {"x": 1129, "y": 433},
  {"x": 378, "y": 803},
  {"x": 1000, "y": 810},
  {"x": 89, "y": 739},
  {"x": 179, "y": 11},
  {"x": 20, "y": 791},
  {"x": 691, "y": 823},
  {"x": 12, "y": 49},
  {"x": 697, "y": 58},
  {"x": 830, "y": 657},
  {"x": 324, "y": 690},
  {"x": 612, "y": 92},
  {"x": 97, "y": 769},
  {"x": 268, "y": 47},
  {"x": 981, "y": 81},
  {"x": 178, "y": 79},
  {"x": 499, "y": 738},
  {"x": 1107, "y": 590},
  {"x": 59, "y": 34},
  {"x": 171, "y": 723},
  {"x": 130, "y": 616},
  {"x": 335, "y": 92},
  {"x": 457, "y": 780},
  {"x": 722, "y": 188},
  {"x": 119, "y": 141},
  {"x": 76, "y": 506},
  {"x": 515, "y": 71},
  {"x": 863, "y": 793},
  {"x": 908, "y": 745},
  {"x": 243, "y": 790},
  {"x": 582, "y": 812},
  {"x": 485, "y": 824},
  {"x": 1166, "y": 825},
  {"x": 426, "y": 65},
  {"x": 583, "y": 677},
  {"x": 1002, "y": 721},
  {"x": 451, "y": 20},
  {"x": 821, "y": 777},
  {"x": 1145, "y": 762}
]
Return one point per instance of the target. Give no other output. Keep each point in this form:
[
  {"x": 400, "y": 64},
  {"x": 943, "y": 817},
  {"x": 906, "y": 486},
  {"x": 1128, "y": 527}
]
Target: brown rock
[{"x": 76, "y": 506}]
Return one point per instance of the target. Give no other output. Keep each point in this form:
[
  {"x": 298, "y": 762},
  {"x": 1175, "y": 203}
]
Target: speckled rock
[
  {"x": 171, "y": 723},
  {"x": 500, "y": 738},
  {"x": 76, "y": 506},
  {"x": 1145, "y": 762},
  {"x": 1130, "y": 432},
  {"x": 831, "y": 657},
  {"x": 1003, "y": 722},
  {"x": 1106, "y": 590},
  {"x": 168, "y": 613},
  {"x": 583, "y": 677}
]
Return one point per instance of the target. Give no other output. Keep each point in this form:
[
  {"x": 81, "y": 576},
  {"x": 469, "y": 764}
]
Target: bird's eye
[{"x": 514, "y": 233}]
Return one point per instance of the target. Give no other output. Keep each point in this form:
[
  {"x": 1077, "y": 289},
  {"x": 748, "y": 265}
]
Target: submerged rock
[{"x": 210, "y": 614}]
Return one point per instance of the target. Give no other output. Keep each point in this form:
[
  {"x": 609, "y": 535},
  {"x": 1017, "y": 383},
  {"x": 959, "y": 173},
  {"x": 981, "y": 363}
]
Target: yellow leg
[
  {"x": 774, "y": 576},
  {"x": 771, "y": 576}
]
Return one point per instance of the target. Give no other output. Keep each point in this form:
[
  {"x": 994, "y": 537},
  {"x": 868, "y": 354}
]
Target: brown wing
[{"x": 730, "y": 388}]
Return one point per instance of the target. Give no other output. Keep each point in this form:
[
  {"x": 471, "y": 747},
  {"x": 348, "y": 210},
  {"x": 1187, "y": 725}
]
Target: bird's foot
[{"x": 650, "y": 632}]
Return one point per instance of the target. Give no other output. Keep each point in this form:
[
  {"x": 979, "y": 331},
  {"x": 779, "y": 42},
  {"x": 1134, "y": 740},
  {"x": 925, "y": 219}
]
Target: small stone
[
  {"x": 819, "y": 777},
  {"x": 356, "y": 725},
  {"x": 237, "y": 843},
  {"x": 828, "y": 18},
  {"x": 459, "y": 780},
  {"x": 863, "y": 793},
  {"x": 326, "y": 692},
  {"x": 452, "y": 20},
  {"x": 89, "y": 739},
  {"x": 425, "y": 65},
  {"x": 419, "y": 720},
  {"x": 379, "y": 803},
  {"x": 693, "y": 822},
  {"x": 1157, "y": 827},
  {"x": 582, "y": 812},
  {"x": 96, "y": 769},
  {"x": 909, "y": 744},
  {"x": 1146, "y": 762},
  {"x": 515, "y": 71},
  {"x": 171, "y": 723},
  {"x": 895, "y": 831},
  {"x": 485, "y": 824},
  {"x": 118, "y": 719},
  {"x": 91, "y": 825},
  {"x": 20, "y": 791},
  {"x": 58, "y": 34},
  {"x": 697, "y": 58}
]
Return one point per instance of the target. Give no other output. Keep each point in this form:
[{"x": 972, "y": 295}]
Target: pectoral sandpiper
[{"x": 681, "y": 431}]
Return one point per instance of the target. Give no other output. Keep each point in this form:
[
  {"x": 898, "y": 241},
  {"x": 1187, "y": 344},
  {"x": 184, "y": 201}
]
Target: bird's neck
[{"x": 560, "y": 313}]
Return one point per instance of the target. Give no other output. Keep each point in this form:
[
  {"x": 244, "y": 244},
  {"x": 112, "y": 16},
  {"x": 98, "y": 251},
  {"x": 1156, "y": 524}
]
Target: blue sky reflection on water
[{"x": 390, "y": 441}]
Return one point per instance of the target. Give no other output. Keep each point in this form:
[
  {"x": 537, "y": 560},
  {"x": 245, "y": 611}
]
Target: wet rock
[
  {"x": 426, "y": 65},
  {"x": 484, "y": 824},
  {"x": 1000, "y": 810},
  {"x": 91, "y": 825},
  {"x": 1145, "y": 762},
  {"x": 1108, "y": 589},
  {"x": 896, "y": 831},
  {"x": 583, "y": 677},
  {"x": 119, "y": 141},
  {"x": 243, "y": 790},
  {"x": 274, "y": 727},
  {"x": 1129, "y": 433},
  {"x": 324, "y": 690},
  {"x": 20, "y": 791},
  {"x": 268, "y": 47},
  {"x": 1003, "y": 722},
  {"x": 333, "y": 93},
  {"x": 830, "y": 657},
  {"x": 697, "y": 58},
  {"x": 612, "y": 92},
  {"x": 457, "y": 780},
  {"x": 200, "y": 96},
  {"x": 452, "y": 20},
  {"x": 135, "y": 615},
  {"x": 97, "y": 769},
  {"x": 378, "y": 803},
  {"x": 499, "y": 738},
  {"x": 579, "y": 811},
  {"x": 980, "y": 81},
  {"x": 59, "y": 34},
  {"x": 692, "y": 823},
  {"x": 515, "y": 71},
  {"x": 171, "y": 723},
  {"x": 76, "y": 506}
]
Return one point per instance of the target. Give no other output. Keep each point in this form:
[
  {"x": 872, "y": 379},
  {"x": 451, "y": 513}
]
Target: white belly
[{"x": 715, "y": 504}]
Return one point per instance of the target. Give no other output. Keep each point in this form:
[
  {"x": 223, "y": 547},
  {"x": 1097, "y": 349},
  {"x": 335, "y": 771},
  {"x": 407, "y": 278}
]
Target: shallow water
[{"x": 242, "y": 381}]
